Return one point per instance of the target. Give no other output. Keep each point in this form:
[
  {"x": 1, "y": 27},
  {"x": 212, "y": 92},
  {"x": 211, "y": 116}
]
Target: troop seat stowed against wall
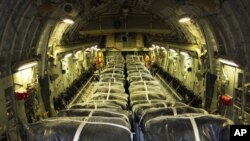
[{"x": 129, "y": 104}]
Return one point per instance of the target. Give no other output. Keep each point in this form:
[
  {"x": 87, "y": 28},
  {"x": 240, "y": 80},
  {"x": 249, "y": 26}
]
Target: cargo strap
[
  {"x": 83, "y": 123},
  {"x": 195, "y": 129},
  {"x": 78, "y": 131},
  {"x": 81, "y": 126},
  {"x": 90, "y": 115},
  {"x": 140, "y": 76},
  {"x": 146, "y": 88},
  {"x": 174, "y": 110},
  {"x": 95, "y": 104},
  {"x": 165, "y": 105},
  {"x": 107, "y": 98}
]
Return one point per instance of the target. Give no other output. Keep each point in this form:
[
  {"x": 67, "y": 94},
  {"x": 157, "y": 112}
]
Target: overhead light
[
  {"x": 184, "y": 53},
  {"x": 94, "y": 47},
  {"x": 27, "y": 65},
  {"x": 172, "y": 50},
  {"x": 184, "y": 19},
  {"x": 163, "y": 48},
  {"x": 228, "y": 62},
  {"x": 151, "y": 48},
  {"x": 79, "y": 51},
  {"x": 68, "y": 21},
  {"x": 87, "y": 49},
  {"x": 67, "y": 55}
]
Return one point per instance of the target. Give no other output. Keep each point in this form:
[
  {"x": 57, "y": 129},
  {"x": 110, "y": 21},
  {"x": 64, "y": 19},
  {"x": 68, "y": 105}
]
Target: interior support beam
[
  {"x": 112, "y": 49},
  {"x": 109, "y": 31},
  {"x": 207, "y": 4},
  {"x": 61, "y": 49},
  {"x": 182, "y": 46}
]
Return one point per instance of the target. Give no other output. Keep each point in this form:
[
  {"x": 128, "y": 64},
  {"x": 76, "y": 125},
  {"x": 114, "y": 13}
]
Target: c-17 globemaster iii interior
[{"x": 123, "y": 70}]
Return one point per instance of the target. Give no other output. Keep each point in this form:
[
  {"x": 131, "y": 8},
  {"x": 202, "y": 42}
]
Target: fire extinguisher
[{"x": 22, "y": 94}]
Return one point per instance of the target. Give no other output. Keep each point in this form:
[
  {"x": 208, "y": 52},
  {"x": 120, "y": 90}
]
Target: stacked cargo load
[
  {"x": 103, "y": 116},
  {"x": 195, "y": 127},
  {"x": 126, "y": 99},
  {"x": 155, "y": 115},
  {"x": 96, "y": 128}
]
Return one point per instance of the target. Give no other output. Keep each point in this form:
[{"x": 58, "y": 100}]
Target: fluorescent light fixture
[
  {"x": 184, "y": 53},
  {"x": 184, "y": 19},
  {"x": 94, "y": 47},
  {"x": 27, "y": 65},
  {"x": 172, "y": 50},
  {"x": 79, "y": 51},
  {"x": 68, "y": 21},
  {"x": 163, "y": 48},
  {"x": 151, "y": 48},
  {"x": 67, "y": 55},
  {"x": 228, "y": 62}
]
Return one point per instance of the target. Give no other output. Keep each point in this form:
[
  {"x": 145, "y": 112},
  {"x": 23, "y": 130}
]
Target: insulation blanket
[
  {"x": 72, "y": 129},
  {"x": 190, "y": 128}
]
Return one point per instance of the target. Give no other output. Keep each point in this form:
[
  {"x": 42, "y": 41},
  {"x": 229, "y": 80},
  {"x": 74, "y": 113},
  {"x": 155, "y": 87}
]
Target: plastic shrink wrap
[{"x": 188, "y": 128}]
